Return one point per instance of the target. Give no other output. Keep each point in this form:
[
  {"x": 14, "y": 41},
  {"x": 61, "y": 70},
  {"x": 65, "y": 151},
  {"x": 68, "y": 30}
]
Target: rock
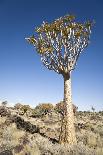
[{"x": 26, "y": 125}]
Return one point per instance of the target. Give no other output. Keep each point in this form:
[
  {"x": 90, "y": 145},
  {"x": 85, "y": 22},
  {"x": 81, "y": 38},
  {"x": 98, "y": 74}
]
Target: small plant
[
  {"x": 18, "y": 148},
  {"x": 7, "y": 137},
  {"x": 25, "y": 108},
  {"x": 60, "y": 108},
  {"x": 24, "y": 139},
  {"x": 4, "y": 103},
  {"x": 42, "y": 109},
  {"x": 18, "y": 106},
  {"x": 93, "y": 109},
  {"x": 4, "y": 112}
]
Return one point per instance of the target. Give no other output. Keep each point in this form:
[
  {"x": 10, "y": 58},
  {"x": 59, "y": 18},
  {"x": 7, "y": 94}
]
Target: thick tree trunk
[{"x": 67, "y": 134}]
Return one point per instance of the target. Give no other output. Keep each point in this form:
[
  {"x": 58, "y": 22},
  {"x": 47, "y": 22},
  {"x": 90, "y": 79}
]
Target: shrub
[
  {"x": 46, "y": 147},
  {"x": 42, "y": 109},
  {"x": 93, "y": 109},
  {"x": 91, "y": 140},
  {"x": 6, "y": 141},
  {"x": 4, "y": 111},
  {"x": 26, "y": 146},
  {"x": 18, "y": 106},
  {"x": 25, "y": 108},
  {"x": 4, "y": 103},
  {"x": 24, "y": 139},
  {"x": 18, "y": 148},
  {"x": 6, "y": 152},
  {"x": 101, "y": 113},
  {"x": 30, "y": 149},
  {"x": 60, "y": 106}
]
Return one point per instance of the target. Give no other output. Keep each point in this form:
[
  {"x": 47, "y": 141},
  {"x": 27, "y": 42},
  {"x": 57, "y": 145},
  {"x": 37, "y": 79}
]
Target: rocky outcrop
[
  {"x": 31, "y": 128},
  {"x": 23, "y": 125}
]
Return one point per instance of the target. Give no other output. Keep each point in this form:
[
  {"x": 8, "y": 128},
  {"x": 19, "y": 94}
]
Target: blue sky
[{"x": 23, "y": 78}]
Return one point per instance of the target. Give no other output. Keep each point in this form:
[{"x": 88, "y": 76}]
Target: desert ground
[{"x": 28, "y": 131}]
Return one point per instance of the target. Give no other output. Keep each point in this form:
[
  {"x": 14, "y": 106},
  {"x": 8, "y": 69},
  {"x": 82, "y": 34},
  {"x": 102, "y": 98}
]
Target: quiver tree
[{"x": 59, "y": 45}]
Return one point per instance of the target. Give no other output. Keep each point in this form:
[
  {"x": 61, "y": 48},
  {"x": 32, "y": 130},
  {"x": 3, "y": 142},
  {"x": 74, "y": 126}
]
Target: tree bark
[{"x": 67, "y": 134}]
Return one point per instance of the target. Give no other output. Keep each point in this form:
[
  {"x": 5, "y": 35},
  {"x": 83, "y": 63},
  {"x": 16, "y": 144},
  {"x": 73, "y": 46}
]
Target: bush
[
  {"x": 7, "y": 152},
  {"x": 60, "y": 106},
  {"x": 4, "y": 103},
  {"x": 18, "y": 148},
  {"x": 18, "y": 106},
  {"x": 6, "y": 141},
  {"x": 29, "y": 149},
  {"x": 4, "y": 111},
  {"x": 46, "y": 147},
  {"x": 25, "y": 108},
  {"x": 42, "y": 109}
]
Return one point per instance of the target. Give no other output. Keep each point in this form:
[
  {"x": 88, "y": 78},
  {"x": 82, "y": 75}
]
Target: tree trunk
[{"x": 67, "y": 134}]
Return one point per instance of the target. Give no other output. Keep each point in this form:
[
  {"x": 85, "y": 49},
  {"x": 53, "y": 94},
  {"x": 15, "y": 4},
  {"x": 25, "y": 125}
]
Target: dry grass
[
  {"x": 89, "y": 136},
  {"x": 10, "y": 137}
]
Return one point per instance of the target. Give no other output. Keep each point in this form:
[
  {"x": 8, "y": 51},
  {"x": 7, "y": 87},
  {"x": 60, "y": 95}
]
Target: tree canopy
[{"x": 59, "y": 43}]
